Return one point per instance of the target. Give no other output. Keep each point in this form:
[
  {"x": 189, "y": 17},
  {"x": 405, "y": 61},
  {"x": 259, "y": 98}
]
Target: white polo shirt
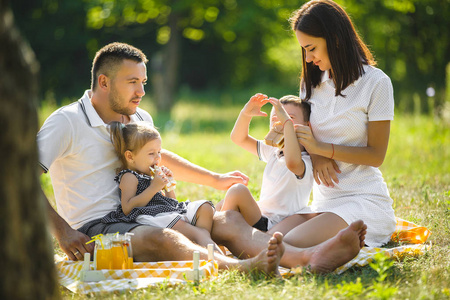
[
  {"x": 74, "y": 146},
  {"x": 282, "y": 193}
]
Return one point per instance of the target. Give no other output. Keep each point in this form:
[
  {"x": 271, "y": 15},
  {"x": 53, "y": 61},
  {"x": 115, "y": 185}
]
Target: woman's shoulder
[{"x": 374, "y": 73}]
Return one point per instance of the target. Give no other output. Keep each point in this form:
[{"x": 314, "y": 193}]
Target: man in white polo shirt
[{"x": 74, "y": 146}]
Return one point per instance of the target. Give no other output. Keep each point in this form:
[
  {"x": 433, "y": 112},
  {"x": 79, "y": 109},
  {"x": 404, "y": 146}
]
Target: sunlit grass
[{"x": 417, "y": 172}]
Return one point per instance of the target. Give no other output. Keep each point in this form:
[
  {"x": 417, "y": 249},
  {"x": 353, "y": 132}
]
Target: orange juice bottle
[
  {"x": 103, "y": 254},
  {"x": 127, "y": 245},
  {"x": 119, "y": 254}
]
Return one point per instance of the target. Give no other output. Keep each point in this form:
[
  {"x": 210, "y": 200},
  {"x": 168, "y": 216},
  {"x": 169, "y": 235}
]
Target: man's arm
[
  {"x": 184, "y": 170},
  {"x": 71, "y": 241}
]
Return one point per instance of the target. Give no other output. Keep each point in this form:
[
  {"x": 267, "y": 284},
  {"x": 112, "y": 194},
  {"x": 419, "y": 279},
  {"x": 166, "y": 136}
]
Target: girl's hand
[
  {"x": 253, "y": 106},
  {"x": 281, "y": 113},
  {"x": 159, "y": 180},
  {"x": 166, "y": 171},
  {"x": 324, "y": 170},
  {"x": 306, "y": 138}
]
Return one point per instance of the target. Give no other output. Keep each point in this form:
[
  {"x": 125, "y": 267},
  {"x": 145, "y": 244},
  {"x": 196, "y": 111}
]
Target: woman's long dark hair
[{"x": 346, "y": 51}]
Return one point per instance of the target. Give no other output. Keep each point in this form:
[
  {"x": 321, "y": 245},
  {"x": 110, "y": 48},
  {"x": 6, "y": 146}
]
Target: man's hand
[
  {"x": 225, "y": 181},
  {"x": 73, "y": 243}
]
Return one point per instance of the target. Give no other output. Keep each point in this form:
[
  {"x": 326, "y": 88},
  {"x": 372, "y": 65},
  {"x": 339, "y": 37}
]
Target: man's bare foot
[
  {"x": 268, "y": 260},
  {"x": 333, "y": 253}
]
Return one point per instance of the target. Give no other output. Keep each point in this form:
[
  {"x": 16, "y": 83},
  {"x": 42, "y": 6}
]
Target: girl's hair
[
  {"x": 132, "y": 136},
  {"x": 346, "y": 51},
  {"x": 303, "y": 105}
]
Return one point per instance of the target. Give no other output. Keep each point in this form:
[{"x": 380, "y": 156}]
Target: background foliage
[{"x": 230, "y": 45}]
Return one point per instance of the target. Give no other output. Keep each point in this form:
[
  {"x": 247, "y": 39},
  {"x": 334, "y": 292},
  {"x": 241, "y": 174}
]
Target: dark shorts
[
  {"x": 95, "y": 227},
  {"x": 262, "y": 224}
]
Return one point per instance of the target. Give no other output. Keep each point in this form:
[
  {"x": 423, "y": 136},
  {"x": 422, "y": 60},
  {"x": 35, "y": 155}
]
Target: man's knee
[
  {"x": 227, "y": 224},
  {"x": 151, "y": 238}
]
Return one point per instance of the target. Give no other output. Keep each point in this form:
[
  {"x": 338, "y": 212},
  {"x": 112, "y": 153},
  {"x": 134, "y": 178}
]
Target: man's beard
[{"x": 115, "y": 104}]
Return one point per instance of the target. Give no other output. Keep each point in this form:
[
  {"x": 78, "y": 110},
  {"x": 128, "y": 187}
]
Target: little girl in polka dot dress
[{"x": 144, "y": 195}]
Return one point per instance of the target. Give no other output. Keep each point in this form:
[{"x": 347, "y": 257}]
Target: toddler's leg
[
  {"x": 240, "y": 199},
  {"x": 204, "y": 216},
  {"x": 198, "y": 235}
]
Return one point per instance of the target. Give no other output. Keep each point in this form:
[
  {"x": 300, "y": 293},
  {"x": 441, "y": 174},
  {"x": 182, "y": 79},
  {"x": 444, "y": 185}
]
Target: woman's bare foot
[
  {"x": 268, "y": 260},
  {"x": 333, "y": 253}
]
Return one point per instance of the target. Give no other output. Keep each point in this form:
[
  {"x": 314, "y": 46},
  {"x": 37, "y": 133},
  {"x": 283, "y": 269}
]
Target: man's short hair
[{"x": 108, "y": 58}]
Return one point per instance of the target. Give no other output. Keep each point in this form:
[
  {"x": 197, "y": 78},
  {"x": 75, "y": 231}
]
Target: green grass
[{"x": 416, "y": 169}]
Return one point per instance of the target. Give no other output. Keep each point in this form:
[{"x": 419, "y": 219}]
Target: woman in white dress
[{"x": 352, "y": 105}]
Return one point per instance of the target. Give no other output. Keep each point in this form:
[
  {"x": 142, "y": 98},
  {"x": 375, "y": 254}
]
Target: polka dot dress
[
  {"x": 157, "y": 205},
  {"x": 361, "y": 192}
]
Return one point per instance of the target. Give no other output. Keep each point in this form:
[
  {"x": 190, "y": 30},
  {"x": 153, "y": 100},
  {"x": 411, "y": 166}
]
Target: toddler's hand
[
  {"x": 166, "y": 171},
  {"x": 160, "y": 180},
  {"x": 280, "y": 112},
  {"x": 253, "y": 106}
]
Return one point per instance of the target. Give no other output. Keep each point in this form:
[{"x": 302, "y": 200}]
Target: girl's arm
[
  {"x": 371, "y": 155},
  {"x": 240, "y": 133},
  {"x": 291, "y": 150},
  {"x": 128, "y": 187}
]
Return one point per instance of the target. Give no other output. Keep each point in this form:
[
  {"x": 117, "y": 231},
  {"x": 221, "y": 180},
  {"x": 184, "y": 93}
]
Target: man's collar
[{"x": 89, "y": 110}]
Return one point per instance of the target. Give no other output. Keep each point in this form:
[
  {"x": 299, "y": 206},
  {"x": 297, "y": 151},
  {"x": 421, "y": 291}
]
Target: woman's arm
[{"x": 371, "y": 155}]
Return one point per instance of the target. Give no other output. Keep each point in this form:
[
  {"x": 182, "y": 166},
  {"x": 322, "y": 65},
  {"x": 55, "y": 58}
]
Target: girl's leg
[
  {"x": 315, "y": 231},
  {"x": 240, "y": 199},
  {"x": 290, "y": 223},
  {"x": 204, "y": 216},
  {"x": 198, "y": 235}
]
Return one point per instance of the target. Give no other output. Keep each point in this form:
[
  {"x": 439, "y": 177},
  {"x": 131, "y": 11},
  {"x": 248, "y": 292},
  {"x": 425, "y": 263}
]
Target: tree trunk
[
  {"x": 27, "y": 268},
  {"x": 164, "y": 68}
]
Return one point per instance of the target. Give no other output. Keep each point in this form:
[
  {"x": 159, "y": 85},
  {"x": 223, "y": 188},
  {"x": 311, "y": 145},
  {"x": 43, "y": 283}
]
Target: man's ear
[
  {"x": 129, "y": 156},
  {"x": 103, "y": 81}
]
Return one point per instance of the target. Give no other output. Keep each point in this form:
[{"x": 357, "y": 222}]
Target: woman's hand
[
  {"x": 306, "y": 138},
  {"x": 324, "y": 170},
  {"x": 253, "y": 106}
]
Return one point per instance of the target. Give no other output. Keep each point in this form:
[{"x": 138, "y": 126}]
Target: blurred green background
[{"x": 222, "y": 51}]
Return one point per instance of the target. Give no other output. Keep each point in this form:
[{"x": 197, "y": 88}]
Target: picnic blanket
[
  {"x": 143, "y": 275},
  {"x": 410, "y": 236},
  {"x": 412, "y": 240}
]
